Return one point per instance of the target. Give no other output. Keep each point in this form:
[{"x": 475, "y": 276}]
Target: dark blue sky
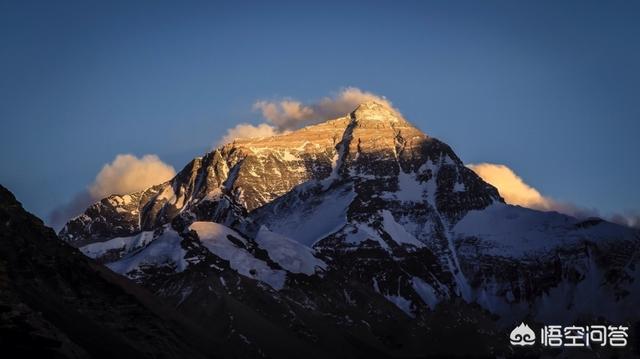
[{"x": 551, "y": 89}]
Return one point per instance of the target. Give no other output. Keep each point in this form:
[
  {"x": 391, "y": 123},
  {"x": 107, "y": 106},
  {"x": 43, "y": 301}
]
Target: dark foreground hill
[{"x": 55, "y": 302}]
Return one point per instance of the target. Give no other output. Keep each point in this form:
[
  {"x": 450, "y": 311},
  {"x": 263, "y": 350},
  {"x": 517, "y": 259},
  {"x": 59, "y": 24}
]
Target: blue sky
[{"x": 550, "y": 89}]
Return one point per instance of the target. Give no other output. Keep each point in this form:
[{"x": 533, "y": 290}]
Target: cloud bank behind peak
[
  {"x": 289, "y": 114},
  {"x": 516, "y": 191},
  {"x": 125, "y": 174}
]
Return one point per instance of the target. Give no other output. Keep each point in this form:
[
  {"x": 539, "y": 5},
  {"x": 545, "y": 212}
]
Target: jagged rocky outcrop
[{"x": 365, "y": 228}]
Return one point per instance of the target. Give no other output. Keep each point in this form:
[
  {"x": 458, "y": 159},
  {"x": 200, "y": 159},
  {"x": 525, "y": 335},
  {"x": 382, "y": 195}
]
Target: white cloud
[
  {"x": 285, "y": 114},
  {"x": 628, "y": 218},
  {"x": 511, "y": 187},
  {"x": 516, "y": 191},
  {"x": 289, "y": 114},
  {"x": 245, "y": 130},
  {"x": 125, "y": 174}
]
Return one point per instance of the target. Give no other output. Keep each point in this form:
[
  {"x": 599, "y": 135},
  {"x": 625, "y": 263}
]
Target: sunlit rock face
[
  {"x": 372, "y": 142},
  {"x": 394, "y": 234}
]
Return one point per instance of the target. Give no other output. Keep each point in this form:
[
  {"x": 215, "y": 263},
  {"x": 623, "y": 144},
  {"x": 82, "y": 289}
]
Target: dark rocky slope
[{"x": 55, "y": 302}]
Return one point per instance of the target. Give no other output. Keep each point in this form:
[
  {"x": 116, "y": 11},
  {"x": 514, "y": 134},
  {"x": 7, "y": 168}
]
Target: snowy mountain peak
[
  {"x": 372, "y": 143},
  {"x": 375, "y": 111},
  {"x": 363, "y": 211}
]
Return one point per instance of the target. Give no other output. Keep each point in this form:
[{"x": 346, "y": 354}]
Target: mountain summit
[
  {"x": 375, "y": 111},
  {"x": 362, "y": 224},
  {"x": 373, "y": 140}
]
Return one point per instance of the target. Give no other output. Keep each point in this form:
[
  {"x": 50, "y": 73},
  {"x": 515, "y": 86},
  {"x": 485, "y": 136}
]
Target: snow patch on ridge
[
  {"x": 402, "y": 303},
  {"x": 515, "y": 231},
  {"x": 312, "y": 220},
  {"x": 397, "y": 232},
  {"x": 358, "y": 232},
  {"x": 426, "y": 292},
  {"x": 410, "y": 189},
  {"x": 165, "y": 250},
  {"x": 291, "y": 255},
  {"x": 211, "y": 230},
  {"x": 214, "y": 237},
  {"x": 124, "y": 245}
]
